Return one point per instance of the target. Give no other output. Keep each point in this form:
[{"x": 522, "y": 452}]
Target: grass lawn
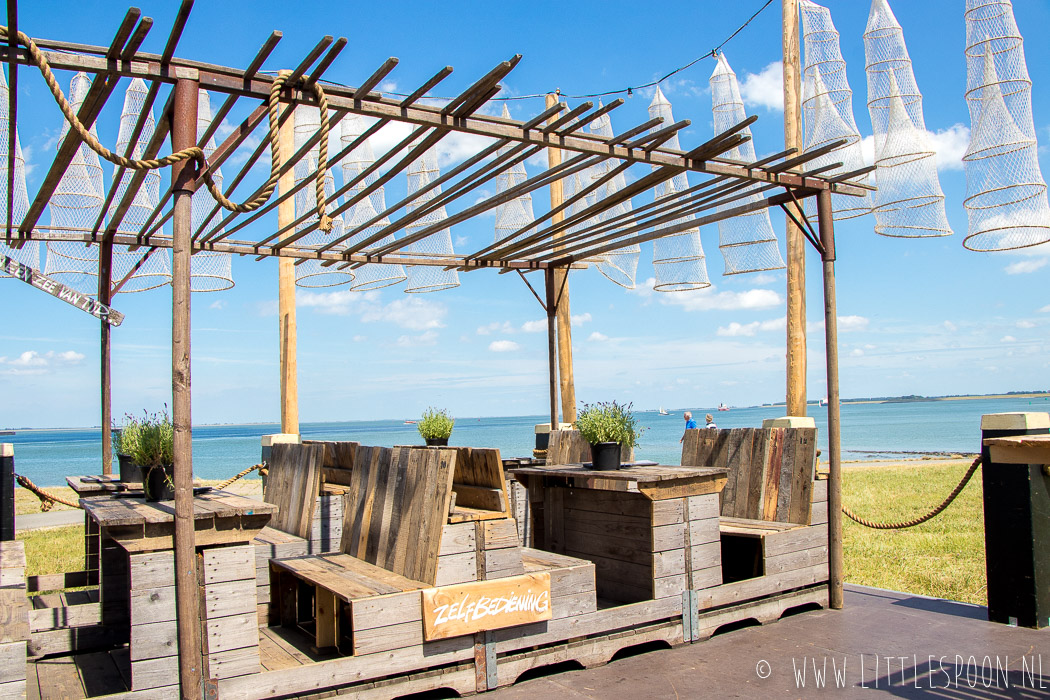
[{"x": 943, "y": 557}]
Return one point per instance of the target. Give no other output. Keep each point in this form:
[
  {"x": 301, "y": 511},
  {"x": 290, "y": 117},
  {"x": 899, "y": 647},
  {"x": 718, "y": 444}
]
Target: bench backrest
[
  {"x": 569, "y": 447},
  {"x": 293, "y": 480},
  {"x": 479, "y": 481},
  {"x": 338, "y": 460},
  {"x": 771, "y": 470},
  {"x": 397, "y": 507}
]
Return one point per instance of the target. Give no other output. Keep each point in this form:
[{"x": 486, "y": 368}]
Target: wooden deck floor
[{"x": 901, "y": 629}]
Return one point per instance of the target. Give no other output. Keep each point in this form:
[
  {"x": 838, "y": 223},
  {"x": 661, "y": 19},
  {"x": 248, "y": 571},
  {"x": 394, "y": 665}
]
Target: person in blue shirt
[{"x": 689, "y": 423}]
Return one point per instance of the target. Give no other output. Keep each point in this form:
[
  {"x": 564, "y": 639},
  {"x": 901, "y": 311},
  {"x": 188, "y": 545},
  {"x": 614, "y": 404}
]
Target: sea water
[{"x": 869, "y": 431}]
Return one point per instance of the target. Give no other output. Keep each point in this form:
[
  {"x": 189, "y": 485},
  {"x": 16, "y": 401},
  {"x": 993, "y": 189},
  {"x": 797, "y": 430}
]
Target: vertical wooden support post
[
  {"x": 105, "y": 296},
  {"x": 183, "y": 135},
  {"x": 561, "y": 284},
  {"x": 288, "y": 333},
  {"x": 796, "y": 244},
  {"x": 552, "y": 331},
  {"x": 831, "y": 335},
  {"x": 7, "y": 492}
]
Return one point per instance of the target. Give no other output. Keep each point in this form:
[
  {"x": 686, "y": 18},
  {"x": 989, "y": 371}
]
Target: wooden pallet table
[
  {"x": 651, "y": 531},
  {"x": 137, "y": 581}
]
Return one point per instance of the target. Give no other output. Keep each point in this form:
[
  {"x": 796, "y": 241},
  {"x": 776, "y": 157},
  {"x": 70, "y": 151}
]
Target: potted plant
[
  {"x": 124, "y": 440},
  {"x": 435, "y": 426},
  {"x": 608, "y": 427},
  {"x": 153, "y": 451}
]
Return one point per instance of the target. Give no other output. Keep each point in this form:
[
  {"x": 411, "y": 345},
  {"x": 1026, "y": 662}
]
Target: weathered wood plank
[{"x": 292, "y": 484}]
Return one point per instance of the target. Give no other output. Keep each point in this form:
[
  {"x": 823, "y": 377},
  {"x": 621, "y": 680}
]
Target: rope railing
[
  {"x": 917, "y": 521},
  {"x": 240, "y": 474},
  {"x": 196, "y": 152}
]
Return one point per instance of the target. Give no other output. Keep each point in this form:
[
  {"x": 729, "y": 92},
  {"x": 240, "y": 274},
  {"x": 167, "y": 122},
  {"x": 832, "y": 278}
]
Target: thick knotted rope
[
  {"x": 47, "y": 500},
  {"x": 917, "y": 521},
  {"x": 195, "y": 152},
  {"x": 238, "y": 475}
]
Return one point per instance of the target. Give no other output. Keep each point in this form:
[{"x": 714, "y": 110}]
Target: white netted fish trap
[
  {"x": 156, "y": 270},
  {"x": 747, "y": 242},
  {"x": 909, "y": 202},
  {"x": 311, "y": 273},
  {"x": 621, "y": 265},
  {"x": 28, "y": 254},
  {"x": 1005, "y": 192},
  {"x": 678, "y": 259},
  {"x": 75, "y": 206},
  {"x": 516, "y": 213},
  {"x": 428, "y": 278},
  {"x": 210, "y": 271},
  {"x": 372, "y": 275},
  {"x": 827, "y": 107}
]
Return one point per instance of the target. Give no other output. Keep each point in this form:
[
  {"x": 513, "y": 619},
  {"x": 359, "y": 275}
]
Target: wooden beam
[
  {"x": 105, "y": 271},
  {"x": 796, "y": 245},
  {"x": 551, "y": 306},
  {"x": 287, "y": 332},
  {"x": 12, "y": 107},
  {"x": 187, "y": 591},
  {"x": 563, "y": 313}
]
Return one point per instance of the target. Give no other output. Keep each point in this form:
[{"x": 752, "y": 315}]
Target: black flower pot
[
  {"x": 605, "y": 456},
  {"x": 129, "y": 471},
  {"x": 437, "y": 442},
  {"x": 157, "y": 483}
]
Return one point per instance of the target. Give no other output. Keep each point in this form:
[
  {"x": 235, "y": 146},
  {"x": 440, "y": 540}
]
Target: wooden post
[
  {"x": 187, "y": 595},
  {"x": 561, "y": 285},
  {"x": 552, "y": 360},
  {"x": 105, "y": 296},
  {"x": 288, "y": 332},
  {"x": 796, "y": 244},
  {"x": 7, "y": 491},
  {"x": 831, "y": 335}
]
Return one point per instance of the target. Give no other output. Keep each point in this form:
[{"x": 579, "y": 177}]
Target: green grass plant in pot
[
  {"x": 435, "y": 426},
  {"x": 608, "y": 427},
  {"x": 125, "y": 438},
  {"x": 152, "y": 448}
]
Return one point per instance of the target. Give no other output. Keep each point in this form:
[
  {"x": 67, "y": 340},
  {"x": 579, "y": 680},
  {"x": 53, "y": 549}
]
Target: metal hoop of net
[
  {"x": 75, "y": 206},
  {"x": 428, "y": 278},
  {"x": 210, "y": 271},
  {"x": 371, "y": 275},
  {"x": 310, "y": 273},
  {"x": 909, "y": 202},
  {"x": 827, "y": 107},
  {"x": 1006, "y": 201},
  {"x": 620, "y": 265},
  {"x": 151, "y": 268},
  {"x": 517, "y": 213},
  {"x": 28, "y": 254},
  {"x": 678, "y": 260},
  {"x": 747, "y": 242}
]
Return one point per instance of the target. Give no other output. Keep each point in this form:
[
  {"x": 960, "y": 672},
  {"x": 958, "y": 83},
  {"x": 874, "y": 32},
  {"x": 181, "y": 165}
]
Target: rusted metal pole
[
  {"x": 288, "y": 332},
  {"x": 796, "y": 244},
  {"x": 187, "y": 595},
  {"x": 105, "y": 278},
  {"x": 561, "y": 285},
  {"x": 831, "y": 335},
  {"x": 552, "y": 343}
]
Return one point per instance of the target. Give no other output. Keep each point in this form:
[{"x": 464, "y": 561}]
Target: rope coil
[
  {"x": 195, "y": 152},
  {"x": 917, "y": 521}
]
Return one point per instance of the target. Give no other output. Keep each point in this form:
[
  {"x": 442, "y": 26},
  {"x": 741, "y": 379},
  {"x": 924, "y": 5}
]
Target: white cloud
[
  {"x": 597, "y": 337},
  {"x": 852, "y": 323},
  {"x": 1045, "y": 309},
  {"x": 857, "y": 352},
  {"x": 1007, "y": 339},
  {"x": 503, "y": 346},
  {"x": 1023, "y": 267},
  {"x": 33, "y": 362},
  {"x": 496, "y": 327},
  {"x": 766, "y": 88},
  {"x": 710, "y": 300},
  {"x": 580, "y": 319},
  {"x": 417, "y": 341},
  {"x": 29, "y": 358},
  {"x": 949, "y": 144},
  {"x": 737, "y": 329},
  {"x": 412, "y": 313},
  {"x": 949, "y": 326},
  {"x": 218, "y": 304},
  {"x": 534, "y": 326},
  {"x": 360, "y": 338},
  {"x": 1025, "y": 324}
]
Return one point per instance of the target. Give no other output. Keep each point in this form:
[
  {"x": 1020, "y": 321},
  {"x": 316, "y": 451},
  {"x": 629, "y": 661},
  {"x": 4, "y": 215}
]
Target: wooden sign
[
  {"x": 61, "y": 291},
  {"x": 452, "y": 611}
]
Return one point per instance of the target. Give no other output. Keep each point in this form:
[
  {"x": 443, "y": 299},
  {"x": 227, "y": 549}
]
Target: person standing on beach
[
  {"x": 710, "y": 422},
  {"x": 689, "y": 423}
]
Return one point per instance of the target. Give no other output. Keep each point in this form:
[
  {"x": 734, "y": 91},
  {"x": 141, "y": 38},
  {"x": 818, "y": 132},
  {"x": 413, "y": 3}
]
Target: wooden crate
[
  {"x": 229, "y": 626},
  {"x": 272, "y": 544}
]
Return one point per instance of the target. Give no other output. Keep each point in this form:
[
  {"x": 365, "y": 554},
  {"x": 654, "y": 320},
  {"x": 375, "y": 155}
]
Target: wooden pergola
[{"x": 725, "y": 188}]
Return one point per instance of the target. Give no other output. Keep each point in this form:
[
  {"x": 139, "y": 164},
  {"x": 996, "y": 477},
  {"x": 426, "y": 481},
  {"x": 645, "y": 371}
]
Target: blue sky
[{"x": 916, "y": 316}]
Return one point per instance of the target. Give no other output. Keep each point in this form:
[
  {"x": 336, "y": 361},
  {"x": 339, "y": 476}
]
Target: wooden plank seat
[
  {"x": 772, "y": 500},
  {"x": 321, "y": 590}
]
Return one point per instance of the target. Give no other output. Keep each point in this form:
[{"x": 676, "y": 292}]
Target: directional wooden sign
[
  {"x": 452, "y": 611},
  {"x": 61, "y": 291}
]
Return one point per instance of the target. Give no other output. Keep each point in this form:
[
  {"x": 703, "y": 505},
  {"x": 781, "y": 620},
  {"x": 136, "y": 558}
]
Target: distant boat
[
  {"x": 823, "y": 401},
  {"x": 410, "y": 422},
  {"x": 663, "y": 412},
  {"x": 723, "y": 407}
]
